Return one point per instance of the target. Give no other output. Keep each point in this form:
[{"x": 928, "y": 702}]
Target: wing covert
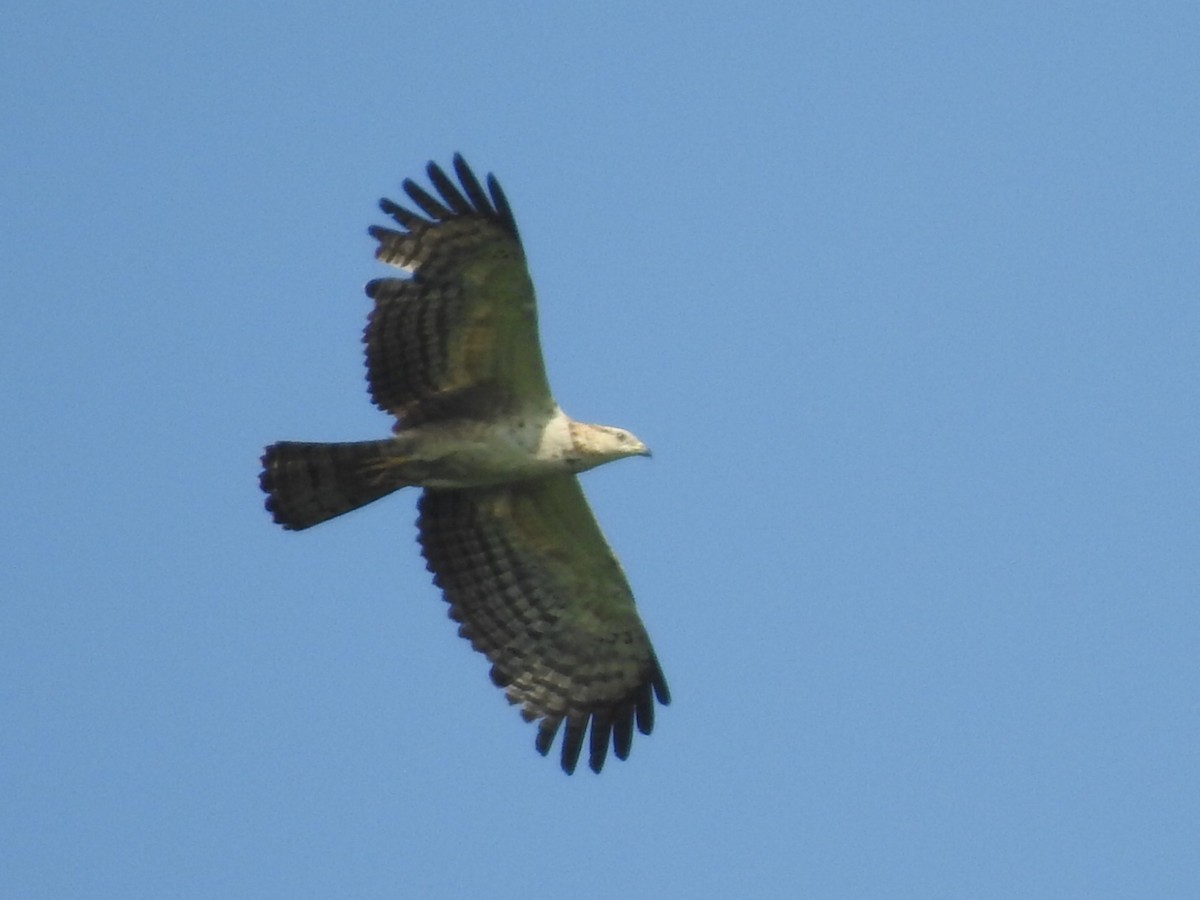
[{"x": 535, "y": 587}]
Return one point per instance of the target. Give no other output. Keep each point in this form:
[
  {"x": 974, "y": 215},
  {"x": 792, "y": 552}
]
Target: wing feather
[
  {"x": 503, "y": 211},
  {"x": 405, "y": 217},
  {"x": 466, "y": 319},
  {"x": 622, "y": 736},
  {"x": 449, "y": 191},
  {"x": 536, "y": 588},
  {"x": 475, "y": 193},
  {"x": 431, "y": 207}
]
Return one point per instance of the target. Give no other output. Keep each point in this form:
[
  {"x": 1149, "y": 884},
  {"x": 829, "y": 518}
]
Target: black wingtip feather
[
  {"x": 468, "y": 200},
  {"x": 661, "y": 691},
  {"x": 572, "y": 743},
  {"x": 645, "y": 711},
  {"x": 399, "y": 214},
  {"x": 450, "y": 193},
  {"x": 503, "y": 210},
  {"x": 612, "y": 727},
  {"x": 598, "y": 747},
  {"x": 429, "y": 205},
  {"x": 546, "y": 734},
  {"x": 475, "y": 192},
  {"x": 623, "y": 734}
]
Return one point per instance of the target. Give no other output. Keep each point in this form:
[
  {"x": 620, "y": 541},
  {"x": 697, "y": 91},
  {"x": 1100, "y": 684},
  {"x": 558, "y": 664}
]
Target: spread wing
[
  {"x": 459, "y": 337},
  {"x": 536, "y": 588}
]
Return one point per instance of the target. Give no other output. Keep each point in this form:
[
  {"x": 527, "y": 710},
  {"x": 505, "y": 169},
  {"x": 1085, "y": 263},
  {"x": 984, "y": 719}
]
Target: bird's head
[{"x": 597, "y": 444}]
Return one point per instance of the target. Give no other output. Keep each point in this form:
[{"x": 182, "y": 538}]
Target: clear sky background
[{"x": 903, "y": 296}]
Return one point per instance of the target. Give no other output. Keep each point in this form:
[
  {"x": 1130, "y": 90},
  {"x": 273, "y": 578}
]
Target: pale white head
[{"x": 593, "y": 445}]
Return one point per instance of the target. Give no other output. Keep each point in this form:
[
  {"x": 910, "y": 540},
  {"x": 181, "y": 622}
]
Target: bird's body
[
  {"x": 478, "y": 454},
  {"x": 453, "y": 354}
]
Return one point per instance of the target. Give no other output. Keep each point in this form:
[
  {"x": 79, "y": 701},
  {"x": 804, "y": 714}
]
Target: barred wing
[
  {"x": 459, "y": 337},
  {"x": 536, "y": 588}
]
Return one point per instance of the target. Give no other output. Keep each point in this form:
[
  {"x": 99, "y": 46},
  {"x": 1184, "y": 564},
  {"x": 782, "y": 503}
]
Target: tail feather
[{"x": 309, "y": 483}]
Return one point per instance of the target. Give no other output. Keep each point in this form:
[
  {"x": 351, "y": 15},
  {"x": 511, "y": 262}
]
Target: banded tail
[{"x": 309, "y": 483}]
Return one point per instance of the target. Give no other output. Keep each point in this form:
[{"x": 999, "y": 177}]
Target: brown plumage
[{"x": 453, "y": 353}]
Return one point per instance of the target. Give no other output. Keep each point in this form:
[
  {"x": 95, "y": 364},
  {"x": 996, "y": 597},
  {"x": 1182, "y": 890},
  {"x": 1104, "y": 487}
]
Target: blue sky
[{"x": 903, "y": 296}]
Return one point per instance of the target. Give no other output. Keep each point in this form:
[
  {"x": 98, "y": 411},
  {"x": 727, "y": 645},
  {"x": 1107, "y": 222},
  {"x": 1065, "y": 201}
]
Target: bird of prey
[{"x": 452, "y": 352}]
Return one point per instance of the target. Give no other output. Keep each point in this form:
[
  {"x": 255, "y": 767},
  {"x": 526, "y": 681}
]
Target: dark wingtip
[
  {"x": 623, "y": 734},
  {"x": 449, "y": 190},
  {"x": 471, "y": 199},
  {"x": 429, "y": 204},
  {"x": 475, "y": 192},
  {"x": 610, "y": 727},
  {"x": 572, "y": 743},
  {"x": 401, "y": 215},
  {"x": 545, "y": 736},
  {"x": 602, "y": 727},
  {"x": 644, "y": 704},
  {"x": 500, "y": 202},
  {"x": 659, "y": 681}
]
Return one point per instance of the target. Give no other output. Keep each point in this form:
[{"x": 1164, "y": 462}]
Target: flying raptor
[{"x": 452, "y": 352}]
